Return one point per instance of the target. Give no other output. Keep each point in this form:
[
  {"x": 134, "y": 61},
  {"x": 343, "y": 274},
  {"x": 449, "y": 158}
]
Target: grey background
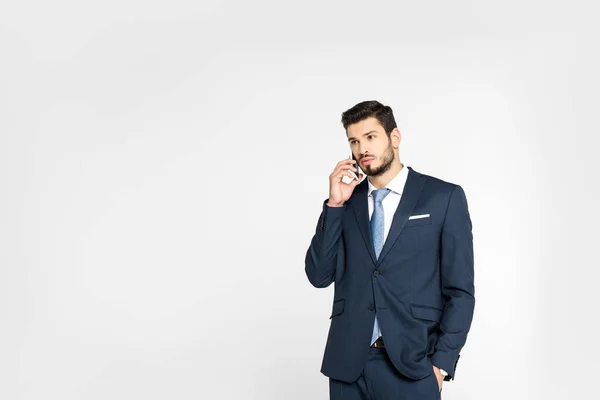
[{"x": 162, "y": 168}]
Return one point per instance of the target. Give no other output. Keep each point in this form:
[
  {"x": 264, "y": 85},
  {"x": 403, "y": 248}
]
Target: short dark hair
[{"x": 371, "y": 108}]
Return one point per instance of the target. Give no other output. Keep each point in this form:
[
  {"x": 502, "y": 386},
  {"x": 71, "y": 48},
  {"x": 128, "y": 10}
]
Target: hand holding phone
[{"x": 340, "y": 191}]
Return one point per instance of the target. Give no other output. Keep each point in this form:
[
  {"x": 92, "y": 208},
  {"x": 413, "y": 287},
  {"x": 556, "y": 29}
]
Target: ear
[{"x": 395, "y": 137}]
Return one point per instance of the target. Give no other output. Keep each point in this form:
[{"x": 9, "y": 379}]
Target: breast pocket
[{"x": 425, "y": 220}]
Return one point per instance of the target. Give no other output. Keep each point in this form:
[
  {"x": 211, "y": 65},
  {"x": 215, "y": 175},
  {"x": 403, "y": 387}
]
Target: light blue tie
[{"x": 377, "y": 230}]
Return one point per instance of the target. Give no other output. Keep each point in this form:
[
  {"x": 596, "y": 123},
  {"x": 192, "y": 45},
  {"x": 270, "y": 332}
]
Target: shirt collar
[{"x": 396, "y": 184}]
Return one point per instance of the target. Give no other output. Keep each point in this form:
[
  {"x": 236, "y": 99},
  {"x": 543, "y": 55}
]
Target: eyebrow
[{"x": 364, "y": 134}]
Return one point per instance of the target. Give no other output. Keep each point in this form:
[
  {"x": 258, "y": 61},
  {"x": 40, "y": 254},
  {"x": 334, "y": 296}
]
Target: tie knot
[{"x": 379, "y": 194}]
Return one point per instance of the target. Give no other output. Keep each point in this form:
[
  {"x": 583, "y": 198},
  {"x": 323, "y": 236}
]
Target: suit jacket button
[
  {"x": 376, "y": 274},
  {"x": 371, "y": 307}
]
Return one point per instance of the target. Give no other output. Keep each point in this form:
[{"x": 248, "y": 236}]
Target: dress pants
[{"x": 380, "y": 380}]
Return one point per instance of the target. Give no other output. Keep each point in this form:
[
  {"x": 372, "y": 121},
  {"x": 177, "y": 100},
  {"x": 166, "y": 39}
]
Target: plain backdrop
[{"x": 163, "y": 166}]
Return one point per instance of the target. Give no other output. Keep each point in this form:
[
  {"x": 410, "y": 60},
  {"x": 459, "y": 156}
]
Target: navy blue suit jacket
[{"x": 421, "y": 286}]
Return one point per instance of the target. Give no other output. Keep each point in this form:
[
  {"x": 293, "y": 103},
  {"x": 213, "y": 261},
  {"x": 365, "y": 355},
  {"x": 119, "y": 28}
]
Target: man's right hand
[{"x": 340, "y": 192}]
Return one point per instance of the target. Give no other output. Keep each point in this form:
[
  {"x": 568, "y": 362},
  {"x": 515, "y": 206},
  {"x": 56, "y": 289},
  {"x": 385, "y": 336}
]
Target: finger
[
  {"x": 348, "y": 174},
  {"x": 345, "y": 168},
  {"x": 357, "y": 181},
  {"x": 338, "y": 177},
  {"x": 346, "y": 161}
]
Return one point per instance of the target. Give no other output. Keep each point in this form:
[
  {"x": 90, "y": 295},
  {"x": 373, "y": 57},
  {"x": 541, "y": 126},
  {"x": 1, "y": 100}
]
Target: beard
[{"x": 386, "y": 162}]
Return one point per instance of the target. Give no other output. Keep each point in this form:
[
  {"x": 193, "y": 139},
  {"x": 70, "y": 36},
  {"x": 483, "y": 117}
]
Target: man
[{"x": 399, "y": 247}]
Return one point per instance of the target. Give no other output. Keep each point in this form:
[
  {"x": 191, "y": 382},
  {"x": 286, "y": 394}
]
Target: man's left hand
[{"x": 439, "y": 376}]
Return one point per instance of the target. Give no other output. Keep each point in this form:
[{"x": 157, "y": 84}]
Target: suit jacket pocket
[
  {"x": 338, "y": 307},
  {"x": 418, "y": 222},
  {"x": 426, "y": 312}
]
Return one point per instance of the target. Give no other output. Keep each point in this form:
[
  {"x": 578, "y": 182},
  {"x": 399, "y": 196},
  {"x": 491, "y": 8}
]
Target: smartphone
[
  {"x": 356, "y": 166},
  {"x": 346, "y": 178}
]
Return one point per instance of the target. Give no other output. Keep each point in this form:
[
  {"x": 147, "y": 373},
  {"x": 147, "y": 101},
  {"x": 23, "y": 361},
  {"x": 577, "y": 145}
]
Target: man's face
[{"x": 371, "y": 146}]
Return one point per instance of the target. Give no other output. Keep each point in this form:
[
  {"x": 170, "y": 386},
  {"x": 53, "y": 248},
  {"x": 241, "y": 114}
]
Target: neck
[{"x": 381, "y": 181}]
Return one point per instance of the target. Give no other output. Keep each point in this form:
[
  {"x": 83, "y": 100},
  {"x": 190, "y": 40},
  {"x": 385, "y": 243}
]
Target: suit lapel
[
  {"x": 360, "y": 206},
  {"x": 408, "y": 201}
]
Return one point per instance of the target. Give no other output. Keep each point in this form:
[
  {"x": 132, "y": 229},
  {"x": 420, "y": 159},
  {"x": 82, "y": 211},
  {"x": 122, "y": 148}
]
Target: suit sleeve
[
  {"x": 326, "y": 245},
  {"x": 457, "y": 278}
]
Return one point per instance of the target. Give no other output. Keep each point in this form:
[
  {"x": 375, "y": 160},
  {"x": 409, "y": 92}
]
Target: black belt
[{"x": 378, "y": 344}]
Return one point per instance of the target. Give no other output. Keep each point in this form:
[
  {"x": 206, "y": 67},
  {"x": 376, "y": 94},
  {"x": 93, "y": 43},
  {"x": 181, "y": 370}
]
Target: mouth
[{"x": 366, "y": 161}]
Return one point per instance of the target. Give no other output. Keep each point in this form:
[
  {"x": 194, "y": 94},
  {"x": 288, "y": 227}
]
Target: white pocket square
[{"x": 418, "y": 216}]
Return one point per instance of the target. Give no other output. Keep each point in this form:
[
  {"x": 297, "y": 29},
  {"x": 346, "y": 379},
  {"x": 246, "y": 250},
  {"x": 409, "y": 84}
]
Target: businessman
[{"x": 399, "y": 247}]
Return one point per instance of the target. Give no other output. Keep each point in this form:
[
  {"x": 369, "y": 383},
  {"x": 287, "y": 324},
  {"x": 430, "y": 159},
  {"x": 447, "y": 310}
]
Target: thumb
[{"x": 356, "y": 182}]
